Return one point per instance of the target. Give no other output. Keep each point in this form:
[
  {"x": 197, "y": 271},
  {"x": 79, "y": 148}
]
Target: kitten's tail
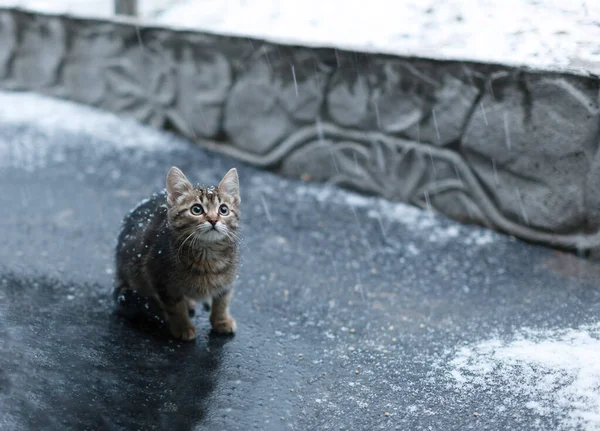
[
  {"x": 116, "y": 292},
  {"x": 133, "y": 306}
]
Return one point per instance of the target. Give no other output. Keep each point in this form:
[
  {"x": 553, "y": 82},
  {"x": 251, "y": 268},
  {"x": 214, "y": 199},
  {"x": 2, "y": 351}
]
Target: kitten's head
[{"x": 203, "y": 215}]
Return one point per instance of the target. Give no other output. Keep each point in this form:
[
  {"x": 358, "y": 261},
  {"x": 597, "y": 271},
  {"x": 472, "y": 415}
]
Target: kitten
[{"x": 181, "y": 246}]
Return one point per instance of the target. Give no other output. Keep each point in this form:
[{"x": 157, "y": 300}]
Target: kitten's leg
[
  {"x": 118, "y": 291},
  {"x": 132, "y": 306},
  {"x": 221, "y": 321},
  {"x": 191, "y": 304},
  {"x": 179, "y": 322},
  {"x": 120, "y": 287},
  {"x": 125, "y": 308}
]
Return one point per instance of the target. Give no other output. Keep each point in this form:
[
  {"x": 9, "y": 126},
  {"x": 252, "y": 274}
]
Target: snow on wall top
[{"x": 549, "y": 34}]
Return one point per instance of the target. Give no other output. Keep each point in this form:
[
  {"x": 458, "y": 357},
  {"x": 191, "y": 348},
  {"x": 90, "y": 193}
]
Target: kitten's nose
[{"x": 212, "y": 221}]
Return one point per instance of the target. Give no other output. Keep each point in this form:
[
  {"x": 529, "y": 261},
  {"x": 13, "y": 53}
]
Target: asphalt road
[{"x": 348, "y": 308}]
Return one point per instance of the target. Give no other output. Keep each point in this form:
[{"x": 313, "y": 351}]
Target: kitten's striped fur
[{"x": 174, "y": 253}]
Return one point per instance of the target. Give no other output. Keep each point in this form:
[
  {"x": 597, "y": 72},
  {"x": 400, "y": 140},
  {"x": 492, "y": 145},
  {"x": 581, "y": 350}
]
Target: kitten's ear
[
  {"x": 230, "y": 184},
  {"x": 177, "y": 185}
]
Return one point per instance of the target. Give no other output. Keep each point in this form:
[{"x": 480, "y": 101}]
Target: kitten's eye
[
  {"x": 197, "y": 209},
  {"x": 223, "y": 210}
]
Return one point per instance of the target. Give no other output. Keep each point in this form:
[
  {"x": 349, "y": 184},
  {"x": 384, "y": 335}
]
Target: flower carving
[
  {"x": 400, "y": 170},
  {"x": 144, "y": 88}
]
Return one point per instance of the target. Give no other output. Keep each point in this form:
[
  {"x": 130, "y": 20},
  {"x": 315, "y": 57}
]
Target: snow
[
  {"x": 30, "y": 149},
  {"x": 51, "y": 115},
  {"x": 96, "y": 8},
  {"x": 553, "y": 370},
  {"x": 432, "y": 227},
  {"x": 564, "y": 33}
]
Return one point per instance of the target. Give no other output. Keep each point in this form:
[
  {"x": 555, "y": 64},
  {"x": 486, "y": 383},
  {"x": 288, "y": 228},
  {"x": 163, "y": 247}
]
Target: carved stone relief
[{"x": 510, "y": 149}]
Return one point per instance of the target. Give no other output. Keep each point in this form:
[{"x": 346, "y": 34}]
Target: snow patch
[
  {"x": 555, "y": 370},
  {"x": 435, "y": 228},
  {"x": 412, "y": 249},
  {"x": 45, "y": 122},
  {"x": 480, "y": 237},
  {"x": 51, "y": 115},
  {"x": 564, "y": 33}
]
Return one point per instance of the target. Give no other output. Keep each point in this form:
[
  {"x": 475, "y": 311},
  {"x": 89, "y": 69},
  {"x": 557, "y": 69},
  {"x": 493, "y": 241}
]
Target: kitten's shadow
[
  {"x": 71, "y": 364},
  {"x": 144, "y": 314},
  {"x": 171, "y": 380}
]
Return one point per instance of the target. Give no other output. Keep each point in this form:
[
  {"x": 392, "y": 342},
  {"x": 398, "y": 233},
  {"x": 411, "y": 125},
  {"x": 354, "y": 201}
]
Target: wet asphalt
[{"x": 346, "y": 313}]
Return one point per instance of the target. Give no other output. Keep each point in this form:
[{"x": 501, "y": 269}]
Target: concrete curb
[{"x": 513, "y": 149}]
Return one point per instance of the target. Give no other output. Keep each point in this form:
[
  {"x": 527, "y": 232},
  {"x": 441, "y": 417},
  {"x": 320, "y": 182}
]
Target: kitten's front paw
[
  {"x": 224, "y": 326},
  {"x": 191, "y": 304},
  {"x": 183, "y": 332}
]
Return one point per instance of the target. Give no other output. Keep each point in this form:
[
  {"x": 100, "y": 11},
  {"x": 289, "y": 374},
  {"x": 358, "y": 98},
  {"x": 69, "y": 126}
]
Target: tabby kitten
[{"x": 181, "y": 246}]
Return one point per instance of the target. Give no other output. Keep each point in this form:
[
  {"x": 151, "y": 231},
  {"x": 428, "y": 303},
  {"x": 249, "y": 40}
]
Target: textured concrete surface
[{"x": 350, "y": 309}]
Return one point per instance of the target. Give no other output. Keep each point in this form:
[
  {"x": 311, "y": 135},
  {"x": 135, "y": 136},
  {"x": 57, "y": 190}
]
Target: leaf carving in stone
[
  {"x": 84, "y": 69},
  {"x": 8, "y": 36},
  {"x": 302, "y": 88},
  {"x": 40, "y": 53},
  {"x": 203, "y": 83},
  {"x": 348, "y": 101},
  {"x": 254, "y": 118},
  {"x": 145, "y": 90}
]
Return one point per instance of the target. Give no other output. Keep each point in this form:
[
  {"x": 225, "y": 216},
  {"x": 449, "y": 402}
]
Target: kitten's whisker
[
  {"x": 195, "y": 246},
  {"x": 183, "y": 243},
  {"x": 236, "y": 238},
  {"x": 228, "y": 231},
  {"x": 197, "y": 241},
  {"x": 236, "y": 241},
  {"x": 233, "y": 236},
  {"x": 179, "y": 237}
]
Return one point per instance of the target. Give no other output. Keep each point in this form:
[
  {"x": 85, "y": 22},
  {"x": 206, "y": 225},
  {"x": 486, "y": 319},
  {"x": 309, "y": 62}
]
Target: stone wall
[{"x": 512, "y": 149}]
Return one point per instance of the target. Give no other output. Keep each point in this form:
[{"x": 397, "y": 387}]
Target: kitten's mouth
[{"x": 213, "y": 233}]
